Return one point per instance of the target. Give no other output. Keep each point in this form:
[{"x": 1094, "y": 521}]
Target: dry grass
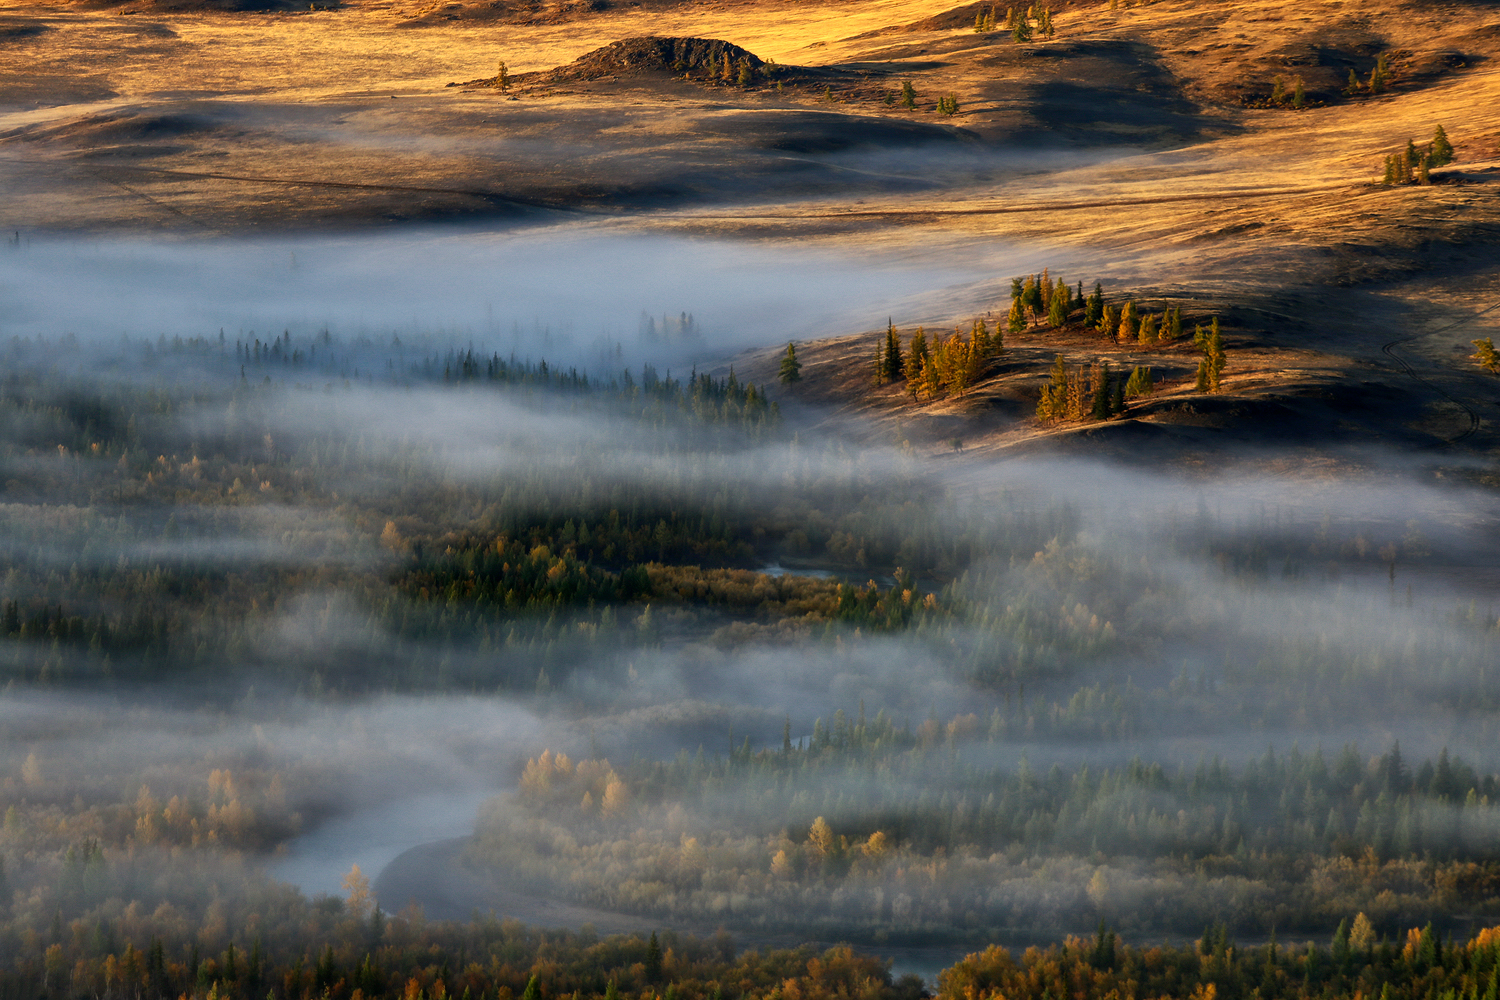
[{"x": 1119, "y": 150}]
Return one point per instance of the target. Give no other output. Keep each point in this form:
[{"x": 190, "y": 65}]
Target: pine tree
[
  {"x": 1353, "y": 86},
  {"x": 1015, "y": 322},
  {"x": 1139, "y": 384},
  {"x": 1102, "y": 399},
  {"x": 1441, "y": 150},
  {"x": 1174, "y": 330},
  {"x": 916, "y": 358},
  {"x": 1093, "y": 310},
  {"x": 791, "y": 368},
  {"x": 1278, "y": 91},
  {"x": 1299, "y": 96},
  {"x": 1020, "y": 30},
  {"x": 1214, "y": 353},
  {"x": 908, "y": 95},
  {"x": 1054, "y": 401},
  {"x": 893, "y": 365}
]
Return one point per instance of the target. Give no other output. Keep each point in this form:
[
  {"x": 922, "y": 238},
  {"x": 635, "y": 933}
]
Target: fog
[
  {"x": 290, "y": 613},
  {"x": 571, "y": 295}
]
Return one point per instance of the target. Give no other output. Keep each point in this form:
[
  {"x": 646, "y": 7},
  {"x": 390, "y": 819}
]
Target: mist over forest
[
  {"x": 770, "y": 501},
  {"x": 720, "y": 664}
]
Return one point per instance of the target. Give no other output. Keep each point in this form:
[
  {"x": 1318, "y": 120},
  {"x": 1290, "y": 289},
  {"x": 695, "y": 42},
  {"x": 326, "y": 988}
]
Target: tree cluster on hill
[
  {"x": 948, "y": 367},
  {"x": 1412, "y": 165}
]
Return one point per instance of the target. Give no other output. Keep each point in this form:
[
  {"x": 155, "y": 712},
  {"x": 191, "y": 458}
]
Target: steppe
[{"x": 1136, "y": 147}]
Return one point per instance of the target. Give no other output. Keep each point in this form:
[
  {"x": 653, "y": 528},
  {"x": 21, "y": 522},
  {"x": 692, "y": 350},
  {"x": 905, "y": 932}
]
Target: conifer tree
[
  {"x": 1129, "y": 323},
  {"x": 1053, "y": 403},
  {"x": 1146, "y": 334},
  {"x": 1139, "y": 384},
  {"x": 908, "y": 95},
  {"x": 1117, "y": 401},
  {"x": 502, "y": 77},
  {"x": 916, "y": 357},
  {"x": 1109, "y": 320},
  {"x": 1441, "y": 149},
  {"x": 1015, "y": 322},
  {"x": 893, "y": 367},
  {"x": 1057, "y": 313},
  {"x": 1299, "y": 96},
  {"x": 1485, "y": 355},
  {"x": 791, "y": 368},
  {"x": 1020, "y": 30},
  {"x": 1213, "y": 353},
  {"x": 1353, "y": 86},
  {"x": 1093, "y": 309},
  {"x": 1044, "y": 288},
  {"x": 1174, "y": 328},
  {"x": 1031, "y": 297},
  {"x": 1278, "y": 91},
  {"x": 1102, "y": 398}
]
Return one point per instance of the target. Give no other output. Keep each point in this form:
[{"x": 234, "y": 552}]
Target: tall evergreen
[
  {"x": 1093, "y": 309},
  {"x": 1442, "y": 150},
  {"x": 1102, "y": 398},
  {"x": 791, "y": 368}
]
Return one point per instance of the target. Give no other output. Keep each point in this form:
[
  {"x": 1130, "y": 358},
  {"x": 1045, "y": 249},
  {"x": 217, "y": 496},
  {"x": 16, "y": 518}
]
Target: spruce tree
[
  {"x": 894, "y": 368},
  {"x": 1278, "y": 91},
  {"x": 916, "y": 356},
  {"x": 1442, "y": 150},
  {"x": 908, "y": 95},
  {"x": 1093, "y": 310},
  {"x": 1021, "y": 29},
  {"x": 1299, "y": 96},
  {"x": 1140, "y": 383},
  {"x": 1102, "y": 398},
  {"x": 1174, "y": 328},
  {"x": 1353, "y": 86},
  {"x": 791, "y": 368}
]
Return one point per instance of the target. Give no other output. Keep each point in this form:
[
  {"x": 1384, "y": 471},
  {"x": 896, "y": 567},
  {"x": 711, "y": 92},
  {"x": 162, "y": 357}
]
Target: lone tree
[
  {"x": 791, "y": 368},
  {"x": 908, "y": 95},
  {"x": 502, "y": 76}
]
